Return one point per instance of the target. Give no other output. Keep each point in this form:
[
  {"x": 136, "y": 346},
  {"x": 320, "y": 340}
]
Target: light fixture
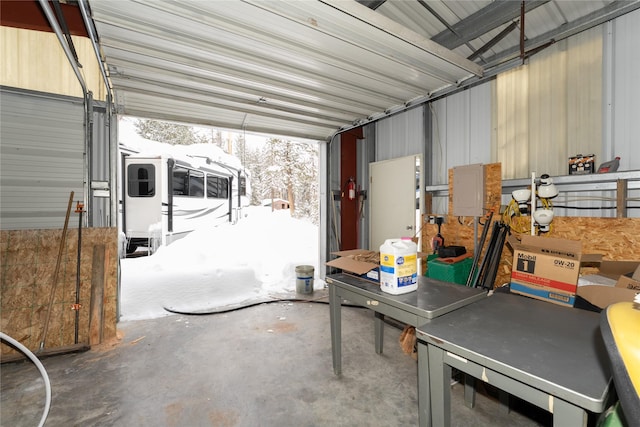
[
  {"x": 545, "y": 190},
  {"x": 543, "y": 218},
  {"x": 521, "y": 196}
]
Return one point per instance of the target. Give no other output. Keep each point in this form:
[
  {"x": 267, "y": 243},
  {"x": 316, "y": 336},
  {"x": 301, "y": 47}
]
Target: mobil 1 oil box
[
  {"x": 398, "y": 266},
  {"x": 547, "y": 268}
]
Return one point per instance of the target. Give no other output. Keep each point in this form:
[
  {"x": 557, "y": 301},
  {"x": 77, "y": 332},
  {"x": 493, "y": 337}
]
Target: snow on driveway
[{"x": 228, "y": 265}]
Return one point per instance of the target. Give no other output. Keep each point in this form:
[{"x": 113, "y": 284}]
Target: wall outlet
[{"x": 434, "y": 219}]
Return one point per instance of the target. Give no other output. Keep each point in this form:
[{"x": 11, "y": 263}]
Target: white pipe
[
  {"x": 43, "y": 372},
  {"x": 56, "y": 28},
  {"x": 533, "y": 203}
]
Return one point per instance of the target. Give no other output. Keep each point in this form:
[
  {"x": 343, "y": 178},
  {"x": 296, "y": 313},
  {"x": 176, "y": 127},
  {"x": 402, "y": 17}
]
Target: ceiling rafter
[
  {"x": 496, "y": 14},
  {"x": 597, "y": 17}
]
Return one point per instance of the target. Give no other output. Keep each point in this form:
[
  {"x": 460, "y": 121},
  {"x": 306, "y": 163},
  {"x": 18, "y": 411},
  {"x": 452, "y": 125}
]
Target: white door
[
  {"x": 143, "y": 196},
  {"x": 393, "y": 199}
]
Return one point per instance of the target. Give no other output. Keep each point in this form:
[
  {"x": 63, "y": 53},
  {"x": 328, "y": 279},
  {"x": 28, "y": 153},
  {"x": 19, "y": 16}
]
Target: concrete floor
[{"x": 265, "y": 365}]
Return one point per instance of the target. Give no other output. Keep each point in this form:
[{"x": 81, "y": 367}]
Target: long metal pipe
[
  {"x": 112, "y": 140},
  {"x": 94, "y": 43},
  {"x": 85, "y": 93},
  {"x": 56, "y": 28}
]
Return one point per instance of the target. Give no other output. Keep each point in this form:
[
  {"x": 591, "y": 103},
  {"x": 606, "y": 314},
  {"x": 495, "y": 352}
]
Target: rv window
[
  {"x": 141, "y": 179},
  {"x": 217, "y": 187},
  {"x": 180, "y": 181},
  {"x": 196, "y": 184},
  {"x": 243, "y": 185},
  {"x": 223, "y": 188}
]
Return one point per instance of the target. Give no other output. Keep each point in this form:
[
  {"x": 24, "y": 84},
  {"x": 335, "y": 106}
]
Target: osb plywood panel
[
  {"x": 29, "y": 259},
  {"x": 614, "y": 238}
]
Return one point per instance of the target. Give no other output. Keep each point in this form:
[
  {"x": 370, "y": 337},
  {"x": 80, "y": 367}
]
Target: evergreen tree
[
  {"x": 306, "y": 183},
  {"x": 287, "y": 170}
]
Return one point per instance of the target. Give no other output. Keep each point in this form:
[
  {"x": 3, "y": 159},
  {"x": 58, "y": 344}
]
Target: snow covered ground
[{"x": 229, "y": 265}]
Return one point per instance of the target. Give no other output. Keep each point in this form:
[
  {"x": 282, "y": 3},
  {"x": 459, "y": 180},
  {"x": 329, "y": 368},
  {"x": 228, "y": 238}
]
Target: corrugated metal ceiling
[{"x": 307, "y": 69}]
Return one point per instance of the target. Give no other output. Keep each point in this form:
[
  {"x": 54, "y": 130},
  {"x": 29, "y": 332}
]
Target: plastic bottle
[
  {"x": 610, "y": 166},
  {"x": 398, "y": 266}
]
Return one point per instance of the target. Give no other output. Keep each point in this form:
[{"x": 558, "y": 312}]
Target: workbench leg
[
  {"x": 469, "y": 391},
  {"x": 379, "y": 331},
  {"x": 424, "y": 399},
  {"x": 566, "y": 414},
  {"x": 439, "y": 388},
  {"x": 504, "y": 401},
  {"x": 335, "y": 305}
]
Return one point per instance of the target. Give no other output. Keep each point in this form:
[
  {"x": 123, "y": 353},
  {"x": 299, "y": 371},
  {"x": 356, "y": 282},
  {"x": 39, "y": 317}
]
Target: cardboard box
[
  {"x": 548, "y": 268},
  {"x": 358, "y": 262},
  {"x": 615, "y": 281},
  {"x": 543, "y": 293},
  {"x": 579, "y": 165}
]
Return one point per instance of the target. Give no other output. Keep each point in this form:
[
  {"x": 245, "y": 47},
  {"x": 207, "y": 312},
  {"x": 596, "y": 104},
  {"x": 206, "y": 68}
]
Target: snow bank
[{"x": 222, "y": 266}]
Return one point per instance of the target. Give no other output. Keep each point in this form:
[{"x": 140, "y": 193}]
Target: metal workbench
[
  {"x": 433, "y": 298},
  {"x": 548, "y": 355}
]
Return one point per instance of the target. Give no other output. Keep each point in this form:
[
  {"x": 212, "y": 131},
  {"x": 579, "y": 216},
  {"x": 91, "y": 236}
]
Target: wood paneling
[{"x": 27, "y": 270}]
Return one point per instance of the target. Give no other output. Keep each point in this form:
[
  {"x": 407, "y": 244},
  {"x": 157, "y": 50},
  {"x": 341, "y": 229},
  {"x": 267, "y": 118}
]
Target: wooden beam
[
  {"x": 621, "y": 198},
  {"x": 96, "y": 309}
]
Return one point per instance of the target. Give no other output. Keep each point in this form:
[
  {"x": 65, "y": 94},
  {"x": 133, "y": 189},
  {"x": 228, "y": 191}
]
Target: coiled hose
[{"x": 43, "y": 372}]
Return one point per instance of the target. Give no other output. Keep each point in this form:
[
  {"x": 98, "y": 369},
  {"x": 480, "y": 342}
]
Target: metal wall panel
[
  {"x": 625, "y": 92},
  {"x": 461, "y": 134},
  {"x": 551, "y": 108},
  {"x": 563, "y": 103},
  {"x": 461, "y": 131},
  {"x": 41, "y": 158},
  {"x": 100, "y": 206},
  {"x": 580, "y": 96},
  {"x": 400, "y": 135}
]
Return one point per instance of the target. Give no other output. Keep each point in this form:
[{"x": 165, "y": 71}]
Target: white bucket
[
  {"x": 398, "y": 266},
  {"x": 304, "y": 279}
]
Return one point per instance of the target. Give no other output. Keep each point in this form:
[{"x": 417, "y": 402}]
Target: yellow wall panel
[
  {"x": 550, "y": 108},
  {"x": 35, "y": 60}
]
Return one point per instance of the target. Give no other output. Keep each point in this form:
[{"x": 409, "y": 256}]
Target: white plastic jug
[{"x": 398, "y": 266}]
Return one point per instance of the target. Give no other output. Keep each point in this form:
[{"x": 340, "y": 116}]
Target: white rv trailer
[{"x": 166, "y": 197}]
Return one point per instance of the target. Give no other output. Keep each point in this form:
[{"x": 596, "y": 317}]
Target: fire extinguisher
[{"x": 351, "y": 189}]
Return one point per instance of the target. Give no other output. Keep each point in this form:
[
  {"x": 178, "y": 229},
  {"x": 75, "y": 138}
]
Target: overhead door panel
[{"x": 41, "y": 158}]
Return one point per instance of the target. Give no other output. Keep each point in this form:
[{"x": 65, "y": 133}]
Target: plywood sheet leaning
[{"x": 27, "y": 269}]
